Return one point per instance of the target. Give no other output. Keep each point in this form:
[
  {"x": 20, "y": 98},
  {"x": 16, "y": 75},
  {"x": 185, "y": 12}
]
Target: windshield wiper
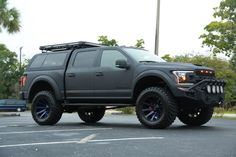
[{"x": 148, "y": 61}]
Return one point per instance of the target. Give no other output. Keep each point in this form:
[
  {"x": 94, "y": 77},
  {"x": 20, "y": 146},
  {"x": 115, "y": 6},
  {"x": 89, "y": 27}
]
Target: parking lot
[{"x": 115, "y": 135}]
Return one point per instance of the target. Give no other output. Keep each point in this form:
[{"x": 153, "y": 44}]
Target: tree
[
  {"x": 9, "y": 72},
  {"x": 9, "y": 18},
  {"x": 221, "y": 34},
  {"x": 140, "y": 43},
  {"x": 105, "y": 41},
  {"x": 233, "y": 61}
]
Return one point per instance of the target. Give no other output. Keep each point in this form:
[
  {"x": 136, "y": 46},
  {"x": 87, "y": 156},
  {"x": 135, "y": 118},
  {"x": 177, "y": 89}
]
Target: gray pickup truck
[{"x": 89, "y": 78}]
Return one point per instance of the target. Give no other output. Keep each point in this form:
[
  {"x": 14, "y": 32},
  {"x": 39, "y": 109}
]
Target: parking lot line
[
  {"x": 87, "y": 138},
  {"x": 64, "y": 130},
  {"x": 79, "y": 142},
  {"x": 126, "y": 139},
  {"x": 37, "y": 144}
]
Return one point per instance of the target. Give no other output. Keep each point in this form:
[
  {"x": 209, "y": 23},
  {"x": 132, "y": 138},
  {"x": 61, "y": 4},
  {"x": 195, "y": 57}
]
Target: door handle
[
  {"x": 71, "y": 74},
  {"x": 99, "y": 74}
]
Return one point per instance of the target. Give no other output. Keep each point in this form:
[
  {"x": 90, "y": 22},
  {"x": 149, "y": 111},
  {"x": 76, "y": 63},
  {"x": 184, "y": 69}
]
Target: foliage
[
  {"x": 221, "y": 34},
  {"x": 105, "y": 41},
  {"x": 167, "y": 58},
  {"x": 9, "y": 72},
  {"x": 233, "y": 61},
  {"x": 140, "y": 43},
  {"x": 9, "y": 18},
  {"x": 224, "y": 70}
]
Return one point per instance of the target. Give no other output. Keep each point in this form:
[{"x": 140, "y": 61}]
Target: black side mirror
[{"x": 122, "y": 64}]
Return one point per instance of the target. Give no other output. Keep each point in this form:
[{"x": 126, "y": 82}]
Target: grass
[
  {"x": 223, "y": 110},
  {"x": 220, "y": 111},
  {"x": 126, "y": 110}
]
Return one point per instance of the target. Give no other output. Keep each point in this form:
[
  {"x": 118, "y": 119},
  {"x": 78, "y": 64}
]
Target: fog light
[
  {"x": 209, "y": 89},
  {"x": 221, "y": 89},
  {"x": 213, "y": 89},
  {"x": 217, "y": 89}
]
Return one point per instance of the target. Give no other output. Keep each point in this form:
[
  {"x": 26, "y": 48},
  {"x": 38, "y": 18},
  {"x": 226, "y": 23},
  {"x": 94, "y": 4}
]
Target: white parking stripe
[
  {"x": 37, "y": 144},
  {"x": 79, "y": 142},
  {"x": 65, "y": 130},
  {"x": 127, "y": 139},
  {"x": 87, "y": 138}
]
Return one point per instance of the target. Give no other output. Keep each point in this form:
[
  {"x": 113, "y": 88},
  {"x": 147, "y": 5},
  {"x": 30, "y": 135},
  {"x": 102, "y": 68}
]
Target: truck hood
[{"x": 175, "y": 66}]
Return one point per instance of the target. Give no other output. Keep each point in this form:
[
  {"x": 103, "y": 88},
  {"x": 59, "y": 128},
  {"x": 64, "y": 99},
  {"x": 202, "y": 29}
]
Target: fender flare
[
  {"x": 156, "y": 73},
  {"x": 51, "y": 82}
]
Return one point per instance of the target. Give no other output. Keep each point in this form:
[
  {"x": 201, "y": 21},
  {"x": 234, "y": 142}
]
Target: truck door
[
  {"x": 78, "y": 77},
  {"x": 110, "y": 81}
]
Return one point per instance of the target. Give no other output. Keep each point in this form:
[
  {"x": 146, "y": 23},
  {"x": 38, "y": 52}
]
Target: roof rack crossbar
[{"x": 68, "y": 46}]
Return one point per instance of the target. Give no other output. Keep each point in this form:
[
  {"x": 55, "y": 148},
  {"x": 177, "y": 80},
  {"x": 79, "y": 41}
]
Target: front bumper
[{"x": 206, "y": 92}]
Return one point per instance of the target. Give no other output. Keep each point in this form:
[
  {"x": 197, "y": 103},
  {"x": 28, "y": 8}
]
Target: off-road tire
[
  {"x": 45, "y": 100},
  {"x": 165, "y": 111},
  {"x": 196, "y": 117},
  {"x": 91, "y": 115}
]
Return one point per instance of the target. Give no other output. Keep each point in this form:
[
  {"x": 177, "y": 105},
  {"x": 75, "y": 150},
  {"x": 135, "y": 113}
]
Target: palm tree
[{"x": 9, "y": 18}]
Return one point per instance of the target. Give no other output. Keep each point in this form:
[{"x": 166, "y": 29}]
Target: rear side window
[
  {"x": 85, "y": 59},
  {"x": 38, "y": 61},
  {"x": 54, "y": 60},
  {"x": 49, "y": 60}
]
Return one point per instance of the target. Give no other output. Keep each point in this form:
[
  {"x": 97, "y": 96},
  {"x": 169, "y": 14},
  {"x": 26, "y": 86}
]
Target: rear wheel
[
  {"x": 45, "y": 110},
  {"x": 156, "y": 108},
  {"x": 196, "y": 116},
  {"x": 92, "y": 115}
]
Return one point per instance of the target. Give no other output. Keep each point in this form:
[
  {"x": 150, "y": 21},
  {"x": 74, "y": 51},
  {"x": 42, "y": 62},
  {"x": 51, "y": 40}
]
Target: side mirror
[{"x": 122, "y": 64}]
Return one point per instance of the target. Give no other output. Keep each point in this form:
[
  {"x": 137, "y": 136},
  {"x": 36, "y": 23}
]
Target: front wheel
[
  {"x": 196, "y": 116},
  {"x": 156, "y": 108},
  {"x": 45, "y": 110},
  {"x": 91, "y": 115}
]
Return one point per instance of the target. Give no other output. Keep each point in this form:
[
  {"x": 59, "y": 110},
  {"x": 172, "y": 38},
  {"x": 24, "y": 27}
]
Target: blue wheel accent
[
  {"x": 152, "y": 108},
  {"x": 42, "y": 109}
]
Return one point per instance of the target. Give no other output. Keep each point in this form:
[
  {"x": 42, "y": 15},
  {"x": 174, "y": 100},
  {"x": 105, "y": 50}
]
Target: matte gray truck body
[{"x": 96, "y": 76}]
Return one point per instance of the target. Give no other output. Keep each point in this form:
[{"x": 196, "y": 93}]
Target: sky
[{"x": 46, "y": 22}]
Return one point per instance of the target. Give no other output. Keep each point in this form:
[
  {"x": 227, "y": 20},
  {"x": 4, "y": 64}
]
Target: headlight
[{"x": 183, "y": 76}]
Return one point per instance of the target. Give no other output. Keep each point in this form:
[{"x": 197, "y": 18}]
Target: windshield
[{"x": 143, "y": 56}]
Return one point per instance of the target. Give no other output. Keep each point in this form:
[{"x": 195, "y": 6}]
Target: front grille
[{"x": 203, "y": 74}]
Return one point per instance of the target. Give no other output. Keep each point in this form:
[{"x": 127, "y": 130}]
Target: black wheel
[
  {"x": 156, "y": 108},
  {"x": 45, "y": 110},
  {"x": 91, "y": 115},
  {"x": 196, "y": 116}
]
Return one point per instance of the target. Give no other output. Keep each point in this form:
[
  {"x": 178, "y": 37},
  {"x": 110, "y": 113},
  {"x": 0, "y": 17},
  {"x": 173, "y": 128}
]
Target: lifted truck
[{"x": 89, "y": 78}]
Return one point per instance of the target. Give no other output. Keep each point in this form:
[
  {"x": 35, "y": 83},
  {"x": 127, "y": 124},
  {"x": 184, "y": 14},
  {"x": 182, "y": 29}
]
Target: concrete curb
[
  {"x": 9, "y": 114},
  {"x": 227, "y": 115},
  {"x": 113, "y": 112}
]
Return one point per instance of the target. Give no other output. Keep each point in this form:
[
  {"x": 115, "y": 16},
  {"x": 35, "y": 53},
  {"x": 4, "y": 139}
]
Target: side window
[
  {"x": 85, "y": 59},
  {"x": 38, "y": 61},
  {"x": 54, "y": 60},
  {"x": 109, "y": 58}
]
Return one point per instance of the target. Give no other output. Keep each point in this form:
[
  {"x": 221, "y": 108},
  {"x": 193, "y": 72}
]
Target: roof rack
[{"x": 68, "y": 46}]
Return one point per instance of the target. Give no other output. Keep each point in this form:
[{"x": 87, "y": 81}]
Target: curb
[
  {"x": 224, "y": 115},
  {"x": 113, "y": 112},
  {"x": 9, "y": 114}
]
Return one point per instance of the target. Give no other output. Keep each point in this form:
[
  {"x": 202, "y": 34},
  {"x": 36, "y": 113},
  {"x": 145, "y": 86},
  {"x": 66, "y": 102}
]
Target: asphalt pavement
[{"x": 114, "y": 135}]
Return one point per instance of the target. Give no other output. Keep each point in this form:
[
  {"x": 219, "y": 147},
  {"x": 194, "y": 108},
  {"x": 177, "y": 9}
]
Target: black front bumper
[{"x": 206, "y": 92}]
